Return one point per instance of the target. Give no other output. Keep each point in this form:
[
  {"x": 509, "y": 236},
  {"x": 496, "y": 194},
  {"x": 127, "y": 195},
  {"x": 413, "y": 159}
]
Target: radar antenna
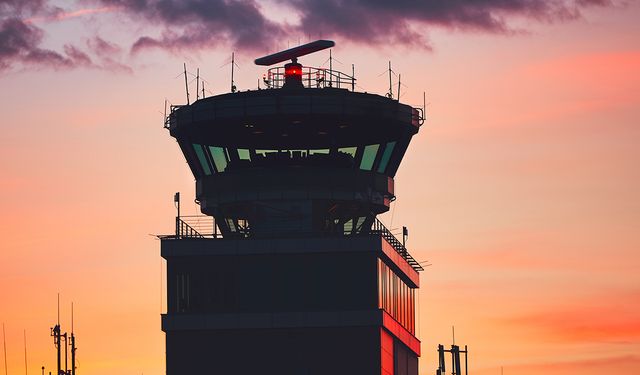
[
  {"x": 293, "y": 53},
  {"x": 293, "y": 70}
]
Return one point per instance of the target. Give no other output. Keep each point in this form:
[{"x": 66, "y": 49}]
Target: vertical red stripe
[{"x": 386, "y": 353}]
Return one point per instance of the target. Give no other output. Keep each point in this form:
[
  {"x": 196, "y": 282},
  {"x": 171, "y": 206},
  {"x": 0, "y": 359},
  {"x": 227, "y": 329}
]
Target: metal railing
[
  {"x": 197, "y": 226},
  {"x": 311, "y": 78},
  {"x": 201, "y": 226},
  {"x": 399, "y": 247}
]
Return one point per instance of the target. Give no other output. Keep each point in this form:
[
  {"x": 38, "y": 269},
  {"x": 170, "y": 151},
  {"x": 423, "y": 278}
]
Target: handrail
[
  {"x": 311, "y": 77},
  {"x": 399, "y": 247},
  {"x": 184, "y": 230},
  {"x": 201, "y": 226}
]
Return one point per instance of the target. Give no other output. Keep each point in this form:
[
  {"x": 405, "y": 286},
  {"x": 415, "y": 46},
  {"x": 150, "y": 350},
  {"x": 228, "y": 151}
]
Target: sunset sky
[{"x": 522, "y": 188}]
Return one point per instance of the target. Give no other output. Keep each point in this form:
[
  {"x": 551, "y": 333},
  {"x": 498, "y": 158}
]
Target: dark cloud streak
[
  {"x": 21, "y": 41},
  {"x": 193, "y": 25},
  {"x": 201, "y": 24}
]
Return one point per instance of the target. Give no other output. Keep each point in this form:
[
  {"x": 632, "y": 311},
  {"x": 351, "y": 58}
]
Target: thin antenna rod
[
  {"x": 73, "y": 345},
  {"x": 353, "y": 77},
  {"x": 233, "y": 62},
  {"x": 186, "y": 83},
  {"x": 58, "y": 308},
  {"x": 330, "y": 69},
  {"x": 26, "y": 372},
  {"x": 466, "y": 360},
  {"x": 390, "y": 85},
  {"x": 197, "y": 83},
  {"x": 4, "y": 342},
  {"x": 164, "y": 119},
  {"x": 398, "y": 87},
  {"x": 202, "y": 89},
  {"x": 453, "y": 331}
]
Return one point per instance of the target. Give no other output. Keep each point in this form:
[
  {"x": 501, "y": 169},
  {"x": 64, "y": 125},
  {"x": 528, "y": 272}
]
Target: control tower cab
[{"x": 298, "y": 275}]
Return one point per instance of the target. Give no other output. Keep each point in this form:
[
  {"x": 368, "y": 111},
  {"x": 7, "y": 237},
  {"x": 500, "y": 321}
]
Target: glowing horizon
[{"x": 521, "y": 188}]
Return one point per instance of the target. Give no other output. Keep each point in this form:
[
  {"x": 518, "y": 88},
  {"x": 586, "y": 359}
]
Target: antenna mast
[
  {"x": 390, "y": 93},
  {"x": 330, "y": 69},
  {"x": 55, "y": 332},
  {"x": 353, "y": 77},
  {"x": 73, "y": 346},
  {"x": 399, "y": 87},
  {"x": 186, "y": 83},
  {"x": 197, "y": 83},
  {"x": 233, "y": 62}
]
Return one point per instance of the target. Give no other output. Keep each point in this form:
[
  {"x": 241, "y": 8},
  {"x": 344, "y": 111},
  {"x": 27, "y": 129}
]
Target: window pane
[
  {"x": 368, "y": 157},
  {"x": 219, "y": 158},
  {"x": 348, "y": 226},
  {"x": 359, "y": 223},
  {"x": 388, "y": 150},
  {"x": 203, "y": 159},
  {"x": 320, "y": 151},
  {"x": 243, "y": 154},
  {"x": 349, "y": 150}
]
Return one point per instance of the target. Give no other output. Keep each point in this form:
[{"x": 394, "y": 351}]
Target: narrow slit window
[
  {"x": 202, "y": 158},
  {"x": 369, "y": 157},
  {"x": 359, "y": 223},
  {"x": 320, "y": 151},
  {"x": 386, "y": 155}
]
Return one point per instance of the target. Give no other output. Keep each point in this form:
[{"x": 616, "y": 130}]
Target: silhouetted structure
[
  {"x": 456, "y": 366},
  {"x": 69, "y": 344},
  {"x": 295, "y": 275}
]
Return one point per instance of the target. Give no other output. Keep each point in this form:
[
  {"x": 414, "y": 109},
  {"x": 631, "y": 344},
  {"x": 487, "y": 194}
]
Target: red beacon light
[
  {"x": 293, "y": 75},
  {"x": 292, "y": 70}
]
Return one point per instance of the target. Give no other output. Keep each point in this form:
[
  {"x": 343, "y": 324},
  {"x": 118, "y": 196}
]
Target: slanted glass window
[
  {"x": 349, "y": 150},
  {"x": 348, "y": 226},
  {"x": 243, "y": 154},
  {"x": 369, "y": 157},
  {"x": 386, "y": 155},
  {"x": 203, "y": 158},
  {"x": 231, "y": 224},
  {"x": 359, "y": 223},
  {"x": 219, "y": 158}
]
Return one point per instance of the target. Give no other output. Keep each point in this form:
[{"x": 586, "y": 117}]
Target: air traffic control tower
[{"x": 296, "y": 276}]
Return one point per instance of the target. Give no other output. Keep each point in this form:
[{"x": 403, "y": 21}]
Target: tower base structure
[{"x": 312, "y": 305}]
